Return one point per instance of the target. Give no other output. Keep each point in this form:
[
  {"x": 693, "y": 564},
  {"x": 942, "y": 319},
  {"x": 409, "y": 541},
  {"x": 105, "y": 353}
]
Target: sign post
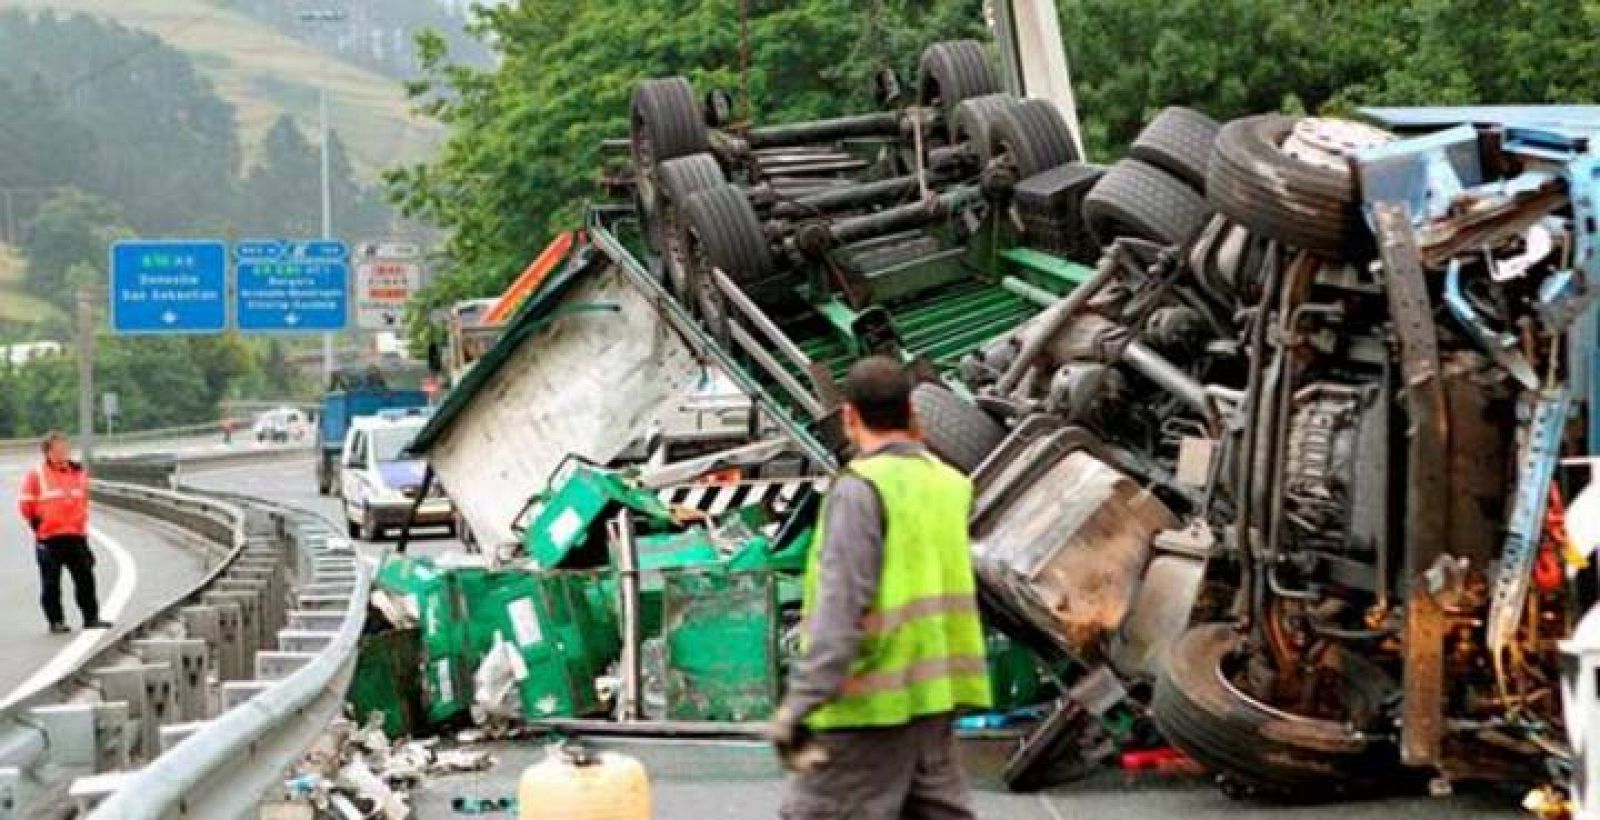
[
  {"x": 169, "y": 286},
  {"x": 292, "y": 286}
]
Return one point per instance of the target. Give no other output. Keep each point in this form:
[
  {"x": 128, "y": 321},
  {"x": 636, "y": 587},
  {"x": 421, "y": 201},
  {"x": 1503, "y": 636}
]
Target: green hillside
[{"x": 263, "y": 73}]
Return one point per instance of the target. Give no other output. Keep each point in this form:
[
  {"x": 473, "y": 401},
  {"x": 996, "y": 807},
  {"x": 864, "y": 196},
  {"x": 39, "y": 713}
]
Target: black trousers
[{"x": 69, "y": 552}]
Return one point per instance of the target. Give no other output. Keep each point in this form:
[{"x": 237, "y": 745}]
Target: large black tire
[
  {"x": 955, "y": 430},
  {"x": 723, "y": 233},
  {"x": 974, "y": 120},
  {"x": 1300, "y": 204},
  {"x": 666, "y": 122},
  {"x": 1178, "y": 141},
  {"x": 953, "y": 71},
  {"x": 1138, "y": 200},
  {"x": 1035, "y": 137},
  {"x": 679, "y": 179},
  {"x": 1271, "y": 753}
]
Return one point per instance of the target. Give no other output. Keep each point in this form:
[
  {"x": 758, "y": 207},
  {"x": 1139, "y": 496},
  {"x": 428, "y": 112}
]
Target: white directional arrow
[
  {"x": 169, "y": 317},
  {"x": 292, "y": 319}
]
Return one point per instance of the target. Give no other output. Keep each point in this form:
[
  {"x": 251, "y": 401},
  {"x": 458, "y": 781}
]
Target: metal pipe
[
  {"x": 913, "y": 215},
  {"x": 848, "y": 196},
  {"x": 756, "y": 317},
  {"x": 762, "y": 357},
  {"x": 1029, "y": 291},
  {"x": 881, "y": 124},
  {"x": 1171, "y": 378},
  {"x": 1053, "y": 320},
  {"x": 628, "y": 569}
]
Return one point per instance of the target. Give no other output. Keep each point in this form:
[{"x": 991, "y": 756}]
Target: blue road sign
[
  {"x": 287, "y": 286},
  {"x": 169, "y": 286}
]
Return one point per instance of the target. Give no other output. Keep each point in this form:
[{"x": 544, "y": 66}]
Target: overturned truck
[{"x": 1264, "y": 420}]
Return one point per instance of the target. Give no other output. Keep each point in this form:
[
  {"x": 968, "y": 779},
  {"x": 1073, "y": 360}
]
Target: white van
[{"x": 379, "y": 480}]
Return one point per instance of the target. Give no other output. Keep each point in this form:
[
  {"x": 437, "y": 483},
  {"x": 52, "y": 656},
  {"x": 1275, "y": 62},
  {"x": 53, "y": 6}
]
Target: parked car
[
  {"x": 281, "y": 425},
  {"x": 379, "y": 480}
]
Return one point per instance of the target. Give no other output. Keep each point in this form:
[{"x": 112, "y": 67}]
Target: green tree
[{"x": 66, "y": 243}]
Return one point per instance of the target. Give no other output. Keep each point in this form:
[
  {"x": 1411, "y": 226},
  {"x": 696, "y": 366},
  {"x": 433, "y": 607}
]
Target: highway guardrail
[{"x": 198, "y": 710}]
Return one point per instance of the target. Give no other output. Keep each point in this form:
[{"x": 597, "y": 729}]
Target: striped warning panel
[{"x": 716, "y": 499}]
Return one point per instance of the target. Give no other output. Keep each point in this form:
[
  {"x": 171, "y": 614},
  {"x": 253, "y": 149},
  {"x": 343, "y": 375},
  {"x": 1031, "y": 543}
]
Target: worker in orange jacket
[{"x": 55, "y": 503}]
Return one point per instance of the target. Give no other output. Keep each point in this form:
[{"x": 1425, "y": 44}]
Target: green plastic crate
[
  {"x": 564, "y": 644},
  {"x": 386, "y": 681},
  {"x": 568, "y": 529},
  {"x": 721, "y": 632}
]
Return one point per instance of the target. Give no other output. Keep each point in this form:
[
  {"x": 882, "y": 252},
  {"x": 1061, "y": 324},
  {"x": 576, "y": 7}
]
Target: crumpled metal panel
[{"x": 1069, "y": 551}]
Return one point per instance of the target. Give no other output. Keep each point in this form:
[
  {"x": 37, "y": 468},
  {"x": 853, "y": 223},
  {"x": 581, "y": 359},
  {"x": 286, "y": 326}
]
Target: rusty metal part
[
  {"x": 1489, "y": 226},
  {"x": 1427, "y": 482}
]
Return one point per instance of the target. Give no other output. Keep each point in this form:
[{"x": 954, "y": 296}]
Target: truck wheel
[
  {"x": 665, "y": 123},
  {"x": 1138, "y": 200},
  {"x": 955, "y": 429},
  {"x": 679, "y": 179},
  {"x": 723, "y": 234},
  {"x": 1303, "y": 199},
  {"x": 953, "y": 71},
  {"x": 974, "y": 119},
  {"x": 1034, "y": 136},
  {"x": 1264, "y": 749},
  {"x": 1179, "y": 141}
]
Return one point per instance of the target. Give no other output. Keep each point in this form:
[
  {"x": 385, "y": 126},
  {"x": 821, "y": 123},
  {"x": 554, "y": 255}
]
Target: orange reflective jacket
[{"x": 55, "y": 500}]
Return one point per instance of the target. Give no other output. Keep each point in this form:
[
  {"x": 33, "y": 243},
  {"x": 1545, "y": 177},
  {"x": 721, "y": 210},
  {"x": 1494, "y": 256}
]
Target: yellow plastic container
[{"x": 575, "y": 784}]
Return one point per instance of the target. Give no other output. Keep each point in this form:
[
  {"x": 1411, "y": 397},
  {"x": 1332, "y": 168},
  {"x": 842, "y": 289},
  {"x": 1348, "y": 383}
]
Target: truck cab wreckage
[{"x": 1265, "y": 420}]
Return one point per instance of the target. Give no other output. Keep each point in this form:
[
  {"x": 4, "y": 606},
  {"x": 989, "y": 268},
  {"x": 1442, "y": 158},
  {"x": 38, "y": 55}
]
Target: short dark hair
[
  {"x": 879, "y": 388},
  {"x": 51, "y": 438}
]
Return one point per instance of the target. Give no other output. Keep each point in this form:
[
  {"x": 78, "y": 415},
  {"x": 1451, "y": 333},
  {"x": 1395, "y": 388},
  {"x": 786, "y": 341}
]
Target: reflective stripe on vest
[{"x": 922, "y": 651}]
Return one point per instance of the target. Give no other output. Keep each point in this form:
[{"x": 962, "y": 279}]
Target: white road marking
[
  {"x": 1050, "y": 808},
  {"x": 86, "y": 642}
]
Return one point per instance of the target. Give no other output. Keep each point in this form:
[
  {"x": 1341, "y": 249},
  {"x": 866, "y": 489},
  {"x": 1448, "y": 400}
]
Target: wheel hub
[{"x": 1329, "y": 143}]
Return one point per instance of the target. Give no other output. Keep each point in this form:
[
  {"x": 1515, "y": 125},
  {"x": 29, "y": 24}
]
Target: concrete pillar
[
  {"x": 189, "y": 659},
  {"x": 275, "y": 666}
]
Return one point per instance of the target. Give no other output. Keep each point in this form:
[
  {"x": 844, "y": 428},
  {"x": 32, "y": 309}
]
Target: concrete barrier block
[
  {"x": 325, "y": 603},
  {"x": 85, "y": 738},
  {"x": 125, "y": 684},
  {"x": 273, "y": 666},
  {"x": 230, "y": 644},
  {"x": 87, "y": 792},
  {"x": 249, "y": 604},
  {"x": 173, "y": 734},
  {"x": 315, "y": 620},
  {"x": 235, "y": 692},
  {"x": 304, "y": 640},
  {"x": 190, "y": 658}
]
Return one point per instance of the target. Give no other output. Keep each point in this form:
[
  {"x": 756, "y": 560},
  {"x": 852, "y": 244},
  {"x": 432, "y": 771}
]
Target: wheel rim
[
  {"x": 1329, "y": 143},
  {"x": 1227, "y": 672}
]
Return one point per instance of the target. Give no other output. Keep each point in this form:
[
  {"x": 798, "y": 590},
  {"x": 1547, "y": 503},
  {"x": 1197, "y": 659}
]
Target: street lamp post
[{"x": 324, "y": 17}]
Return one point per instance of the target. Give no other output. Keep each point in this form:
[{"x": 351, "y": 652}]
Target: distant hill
[{"x": 264, "y": 73}]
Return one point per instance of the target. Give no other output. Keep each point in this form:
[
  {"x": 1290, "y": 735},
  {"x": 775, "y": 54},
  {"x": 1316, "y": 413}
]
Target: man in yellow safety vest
[{"x": 893, "y": 643}]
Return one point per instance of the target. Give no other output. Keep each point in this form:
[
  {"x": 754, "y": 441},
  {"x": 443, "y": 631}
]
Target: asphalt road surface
[
  {"x": 739, "y": 781},
  {"x": 140, "y": 565}
]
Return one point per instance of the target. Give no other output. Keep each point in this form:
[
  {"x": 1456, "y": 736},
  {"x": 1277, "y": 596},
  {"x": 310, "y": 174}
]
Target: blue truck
[{"x": 343, "y": 404}]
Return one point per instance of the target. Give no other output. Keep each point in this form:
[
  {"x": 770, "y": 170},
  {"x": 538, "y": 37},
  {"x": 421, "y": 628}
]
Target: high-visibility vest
[
  {"x": 57, "y": 498},
  {"x": 922, "y": 651}
]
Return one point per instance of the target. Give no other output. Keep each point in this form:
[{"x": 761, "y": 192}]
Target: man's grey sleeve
[{"x": 851, "y": 566}]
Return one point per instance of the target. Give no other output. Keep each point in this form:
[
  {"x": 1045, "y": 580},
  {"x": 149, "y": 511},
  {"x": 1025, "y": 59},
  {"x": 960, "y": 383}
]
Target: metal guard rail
[
  {"x": 223, "y": 770},
  {"x": 58, "y": 735}
]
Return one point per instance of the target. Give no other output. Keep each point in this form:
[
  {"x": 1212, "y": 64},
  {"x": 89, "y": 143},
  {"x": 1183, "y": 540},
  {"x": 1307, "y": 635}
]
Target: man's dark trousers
[{"x": 69, "y": 552}]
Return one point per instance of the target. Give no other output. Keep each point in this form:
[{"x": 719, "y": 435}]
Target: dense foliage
[{"x": 524, "y": 147}]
